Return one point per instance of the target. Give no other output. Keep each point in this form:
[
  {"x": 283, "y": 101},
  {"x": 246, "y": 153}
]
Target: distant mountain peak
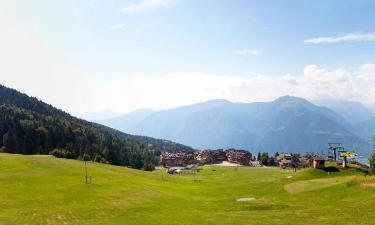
[
  {"x": 216, "y": 101},
  {"x": 292, "y": 101},
  {"x": 289, "y": 98}
]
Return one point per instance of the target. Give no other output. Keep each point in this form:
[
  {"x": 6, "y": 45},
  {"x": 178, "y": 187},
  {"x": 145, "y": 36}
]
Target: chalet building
[
  {"x": 284, "y": 160},
  {"x": 255, "y": 163},
  {"x": 319, "y": 162},
  {"x": 241, "y": 157},
  {"x": 177, "y": 158},
  {"x": 211, "y": 156},
  {"x": 305, "y": 162}
]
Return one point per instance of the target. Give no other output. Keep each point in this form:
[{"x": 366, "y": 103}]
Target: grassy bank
[{"x": 46, "y": 190}]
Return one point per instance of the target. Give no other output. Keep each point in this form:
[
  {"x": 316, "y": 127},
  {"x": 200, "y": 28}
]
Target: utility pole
[
  {"x": 86, "y": 158},
  {"x": 86, "y": 170},
  {"x": 335, "y": 148}
]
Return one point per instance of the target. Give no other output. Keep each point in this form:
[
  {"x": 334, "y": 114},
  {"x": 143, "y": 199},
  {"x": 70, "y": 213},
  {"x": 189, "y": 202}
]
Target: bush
[
  {"x": 148, "y": 167},
  {"x": 86, "y": 157},
  {"x": 100, "y": 159},
  {"x": 61, "y": 153},
  {"x": 3, "y": 149}
]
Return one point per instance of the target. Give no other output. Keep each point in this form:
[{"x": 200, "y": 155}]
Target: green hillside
[
  {"x": 30, "y": 126},
  {"x": 47, "y": 190}
]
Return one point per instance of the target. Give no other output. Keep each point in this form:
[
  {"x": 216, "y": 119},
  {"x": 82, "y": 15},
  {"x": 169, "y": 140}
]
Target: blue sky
[{"x": 94, "y": 45}]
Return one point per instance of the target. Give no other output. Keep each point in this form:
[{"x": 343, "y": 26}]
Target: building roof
[
  {"x": 320, "y": 158},
  {"x": 285, "y": 161}
]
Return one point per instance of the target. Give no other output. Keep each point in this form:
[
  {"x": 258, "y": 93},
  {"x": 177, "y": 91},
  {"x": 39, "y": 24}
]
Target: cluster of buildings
[
  {"x": 176, "y": 159},
  {"x": 184, "y": 158},
  {"x": 285, "y": 160}
]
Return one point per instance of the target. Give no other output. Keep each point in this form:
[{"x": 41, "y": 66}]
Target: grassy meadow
[{"x": 47, "y": 190}]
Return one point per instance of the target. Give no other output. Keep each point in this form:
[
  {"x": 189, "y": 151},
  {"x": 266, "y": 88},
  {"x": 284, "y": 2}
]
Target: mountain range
[{"x": 286, "y": 124}]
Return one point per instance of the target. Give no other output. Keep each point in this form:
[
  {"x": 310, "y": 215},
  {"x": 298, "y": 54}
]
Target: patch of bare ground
[
  {"x": 246, "y": 199},
  {"x": 367, "y": 185}
]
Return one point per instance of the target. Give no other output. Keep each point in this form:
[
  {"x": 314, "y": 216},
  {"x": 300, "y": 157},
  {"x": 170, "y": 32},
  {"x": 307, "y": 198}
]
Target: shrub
[
  {"x": 100, "y": 159},
  {"x": 2, "y": 149},
  {"x": 148, "y": 167},
  {"x": 86, "y": 157},
  {"x": 61, "y": 153}
]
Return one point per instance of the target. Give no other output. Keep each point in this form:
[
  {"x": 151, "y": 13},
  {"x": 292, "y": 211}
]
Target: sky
[{"x": 120, "y": 55}]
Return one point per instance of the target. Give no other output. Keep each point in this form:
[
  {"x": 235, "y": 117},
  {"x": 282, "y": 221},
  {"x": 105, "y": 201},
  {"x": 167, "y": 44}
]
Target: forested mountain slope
[{"x": 30, "y": 126}]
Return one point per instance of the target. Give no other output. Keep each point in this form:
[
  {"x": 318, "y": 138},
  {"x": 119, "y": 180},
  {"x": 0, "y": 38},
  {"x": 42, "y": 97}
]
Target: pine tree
[
  {"x": 9, "y": 141},
  {"x": 295, "y": 160},
  {"x": 28, "y": 143},
  {"x": 264, "y": 158}
]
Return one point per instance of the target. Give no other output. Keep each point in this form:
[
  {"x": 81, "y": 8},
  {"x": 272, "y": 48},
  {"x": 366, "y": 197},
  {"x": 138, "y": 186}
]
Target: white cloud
[
  {"x": 178, "y": 89},
  {"x": 118, "y": 26},
  {"x": 344, "y": 38},
  {"x": 146, "y": 5},
  {"x": 247, "y": 52}
]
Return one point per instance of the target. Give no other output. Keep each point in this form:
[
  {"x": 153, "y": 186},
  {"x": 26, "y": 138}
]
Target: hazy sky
[{"x": 91, "y": 55}]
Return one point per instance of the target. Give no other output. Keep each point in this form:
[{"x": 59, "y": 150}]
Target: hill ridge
[{"x": 30, "y": 126}]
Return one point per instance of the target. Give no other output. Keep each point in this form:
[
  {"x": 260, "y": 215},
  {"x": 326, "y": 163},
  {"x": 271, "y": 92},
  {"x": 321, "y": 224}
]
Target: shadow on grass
[{"x": 331, "y": 169}]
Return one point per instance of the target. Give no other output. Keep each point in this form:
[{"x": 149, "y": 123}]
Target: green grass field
[{"x": 47, "y": 190}]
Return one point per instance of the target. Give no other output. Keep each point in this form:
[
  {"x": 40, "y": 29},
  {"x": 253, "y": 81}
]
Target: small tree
[
  {"x": 296, "y": 161},
  {"x": 9, "y": 141},
  {"x": 86, "y": 157},
  {"x": 264, "y": 158},
  {"x": 372, "y": 160},
  {"x": 271, "y": 161}
]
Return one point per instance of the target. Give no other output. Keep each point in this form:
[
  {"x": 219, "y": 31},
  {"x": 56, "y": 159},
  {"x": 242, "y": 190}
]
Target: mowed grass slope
[{"x": 46, "y": 190}]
